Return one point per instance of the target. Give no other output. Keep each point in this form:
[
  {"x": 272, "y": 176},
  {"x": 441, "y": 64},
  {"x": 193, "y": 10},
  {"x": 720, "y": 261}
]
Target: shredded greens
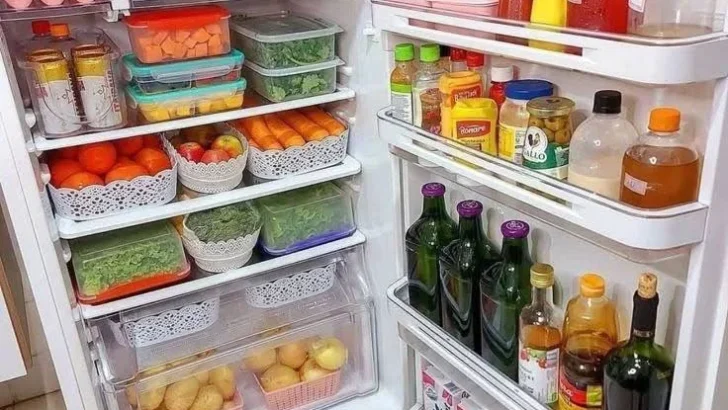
[
  {"x": 302, "y": 85},
  {"x": 291, "y": 53},
  {"x": 224, "y": 223}
]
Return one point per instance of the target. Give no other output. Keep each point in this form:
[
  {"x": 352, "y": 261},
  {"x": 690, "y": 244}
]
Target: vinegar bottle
[{"x": 400, "y": 81}]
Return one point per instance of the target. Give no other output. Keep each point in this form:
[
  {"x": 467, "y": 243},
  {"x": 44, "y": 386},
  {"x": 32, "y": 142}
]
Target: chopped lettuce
[
  {"x": 292, "y": 53},
  {"x": 224, "y": 223},
  {"x": 302, "y": 85}
]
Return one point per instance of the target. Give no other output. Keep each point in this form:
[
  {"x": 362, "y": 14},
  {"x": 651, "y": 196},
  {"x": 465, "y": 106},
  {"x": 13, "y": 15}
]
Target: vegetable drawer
[{"x": 248, "y": 309}]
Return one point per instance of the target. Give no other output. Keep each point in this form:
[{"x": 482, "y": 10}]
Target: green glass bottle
[
  {"x": 505, "y": 290},
  {"x": 462, "y": 263},
  {"x": 638, "y": 373},
  {"x": 424, "y": 240}
]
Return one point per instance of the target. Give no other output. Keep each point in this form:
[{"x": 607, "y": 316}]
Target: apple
[
  {"x": 229, "y": 144},
  {"x": 191, "y": 151},
  {"x": 177, "y": 140},
  {"x": 202, "y": 134},
  {"x": 214, "y": 155}
]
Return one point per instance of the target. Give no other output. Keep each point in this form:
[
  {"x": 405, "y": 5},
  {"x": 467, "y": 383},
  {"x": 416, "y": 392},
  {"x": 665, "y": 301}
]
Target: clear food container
[
  {"x": 306, "y": 217},
  {"x": 179, "y": 34},
  {"x": 293, "y": 83},
  {"x": 159, "y": 78},
  {"x": 285, "y": 40},
  {"x": 115, "y": 264},
  {"x": 186, "y": 103}
]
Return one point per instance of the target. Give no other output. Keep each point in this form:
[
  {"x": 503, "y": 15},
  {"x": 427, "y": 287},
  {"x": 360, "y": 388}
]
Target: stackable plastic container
[
  {"x": 179, "y": 34},
  {"x": 306, "y": 217},
  {"x": 287, "y": 84},
  {"x": 285, "y": 40},
  {"x": 186, "y": 103},
  {"x": 471, "y": 7},
  {"x": 160, "y": 78},
  {"x": 127, "y": 261}
]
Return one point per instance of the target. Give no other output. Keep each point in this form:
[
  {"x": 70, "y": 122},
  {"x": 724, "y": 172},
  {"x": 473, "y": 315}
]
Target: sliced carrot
[
  {"x": 286, "y": 135},
  {"x": 200, "y": 35},
  {"x": 259, "y": 132},
  {"x": 181, "y": 35},
  {"x": 190, "y": 43},
  {"x": 145, "y": 41},
  {"x": 201, "y": 50},
  {"x": 179, "y": 51},
  {"x": 323, "y": 119},
  {"x": 213, "y": 28},
  {"x": 153, "y": 54},
  {"x": 160, "y": 37},
  {"x": 309, "y": 129},
  {"x": 168, "y": 46},
  {"x": 215, "y": 40}
]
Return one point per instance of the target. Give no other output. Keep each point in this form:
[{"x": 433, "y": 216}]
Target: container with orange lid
[
  {"x": 453, "y": 87},
  {"x": 179, "y": 34}
]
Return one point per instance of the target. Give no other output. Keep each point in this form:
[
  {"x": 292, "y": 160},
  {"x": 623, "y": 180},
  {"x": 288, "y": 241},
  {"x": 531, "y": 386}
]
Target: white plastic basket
[
  {"x": 292, "y": 288},
  {"x": 219, "y": 256},
  {"x": 99, "y": 201},
  {"x": 314, "y": 155},
  {"x": 215, "y": 177}
]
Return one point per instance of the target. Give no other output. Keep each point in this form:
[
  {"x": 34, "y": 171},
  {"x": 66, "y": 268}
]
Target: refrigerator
[{"x": 99, "y": 357}]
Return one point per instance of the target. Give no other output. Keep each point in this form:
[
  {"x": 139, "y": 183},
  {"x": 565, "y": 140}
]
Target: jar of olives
[{"x": 546, "y": 148}]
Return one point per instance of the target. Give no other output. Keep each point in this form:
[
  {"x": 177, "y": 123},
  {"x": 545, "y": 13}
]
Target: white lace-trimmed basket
[
  {"x": 219, "y": 256},
  {"x": 314, "y": 155},
  {"x": 215, "y": 177},
  {"x": 292, "y": 288},
  {"x": 98, "y": 201}
]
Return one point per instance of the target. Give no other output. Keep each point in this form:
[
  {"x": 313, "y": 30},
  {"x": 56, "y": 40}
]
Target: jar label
[
  {"x": 401, "y": 101},
  {"x": 543, "y": 154},
  {"x": 635, "y": 185},
  {"x": 578, "y": 396},
  {"x": 538, "y": 373},
  {"x": 510, "y": 143},
  {"x": 476, "y": 134}
]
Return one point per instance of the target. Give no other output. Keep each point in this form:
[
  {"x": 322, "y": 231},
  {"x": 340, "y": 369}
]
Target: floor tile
[{"x": 52, "y": 401}]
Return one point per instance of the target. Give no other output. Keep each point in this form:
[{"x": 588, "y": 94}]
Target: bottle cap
[
  {"x": 591, "y": 285},
  {"x": 59, "y": 30},
  {"x": 429, "y": 53},
  {"x": 664, "y": 119},
  {"x": 515, "y": 229},
  {"x": 433, "y": 189},
  {"x": 647, "y": 287},
  {"x": 404, "y": 52},
  {"x": 473, "y": 59},
  {"x": 528, "y": 89},
  {"x": 544, "y": 107},
  {"x": 41, "y": 27},
  {"x": 501, "y": 74},
  {"x": 470, "y": 208},
  {"x": 542, "y": 275},
  {"x": 607, "y": 102},
  {"x": 457, "y": 54}
]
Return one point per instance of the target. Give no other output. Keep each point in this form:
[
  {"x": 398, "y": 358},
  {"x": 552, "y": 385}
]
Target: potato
[
  {"x": 293, "y": 355},
  {"x": 229, "y": 405},
  {"x": 260, "y": 361},
  {"x": 209, "y": 398},
  {"x": 224, "y": 379},
  {"x": 310, "y": 371},
  {"x": 563, "y": 136},
  {"x": 181, "y": 395},
  {"x": 556, "y": 123},
  {"x": 279, "y": 377},
  {"x": 329, "y": 353},
  {"x": 203, "y": 377}
]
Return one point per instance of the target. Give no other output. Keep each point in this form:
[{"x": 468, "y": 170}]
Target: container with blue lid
[
  {"x": 160, "y": 78},
  {"x": 526, "y": 90}
]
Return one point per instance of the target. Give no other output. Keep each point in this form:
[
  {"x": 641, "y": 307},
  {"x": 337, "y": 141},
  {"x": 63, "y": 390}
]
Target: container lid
[
  {"x": 41, "y": 27},
  {"x": 607, "y": 102},
  {"x": 433, "y": 189},
  {"x": 87, "y": 247},
  {"x": 470, "y": 208},
  {"x": 665, "y": 119},
  {"x": 515, "y": 229},
  {"x": 280, "y": 27},
  {"x": 457, "y": 54},
  {"x": 186, "y": 94},
  {"x": 174, "y": 72},
  {"x": 591, "y": 285},
  {"x": 60, "y": 30},
  {"x": 501, "y": 74},
  {"x": 473, "y": 59},
  {"x": 429, "y": 53},
  {"x": 528, "y": 89},
  {"x": 542, "y": 275},
  {"x": 550, "y": 106},
  {"x": 280, "y": 72},
  {"x": 179, "y": 18},
  {"x": 404, "y": 52}
]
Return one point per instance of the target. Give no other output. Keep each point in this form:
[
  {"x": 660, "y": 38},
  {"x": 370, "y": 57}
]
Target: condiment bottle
[
  {"x": 550, "y": 13},
  {"x": 499, "y": 76},
  {"x": 453, "y": 87},
  {"x": 400, "y": 82},
  {"x": 425, "y": 90},
  {"x": 457, "y": 60},
  {"x": 607, "y": 16},
  {"x": 476, "y": 62}
]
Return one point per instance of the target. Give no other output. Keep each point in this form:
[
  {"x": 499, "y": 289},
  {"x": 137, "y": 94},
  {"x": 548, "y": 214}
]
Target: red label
[
  {"x": 472, "y": 129},
  {"x": 474, "y": 91},
  {"x": 574, "y": 394}
]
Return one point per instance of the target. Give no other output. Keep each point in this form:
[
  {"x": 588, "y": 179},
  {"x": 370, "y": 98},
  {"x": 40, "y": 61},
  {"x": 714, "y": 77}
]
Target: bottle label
[
  {"x": 401, "y": 100},
  {"x": 459, "y": 93},
  {"x": 637, "y": 5},
  {"x": 577, "y": 396},
  {"x": 427, "y": 109},
  {"x": 510, "y": 142},
  {"x": 100, "y": 101},
  {"x": 477, "y": 134},
  {"x": 538, "y": 373},
  {"x": 545, "y": 156},
  {"x": 57, "y": 106},
  {"x": 635, "y": 185}
]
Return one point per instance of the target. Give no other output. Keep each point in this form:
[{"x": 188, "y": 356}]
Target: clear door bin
[
  {"x": 285, "y": 40},
  {"x": 134, "y": 342},
  {"x": 306, "y": 217},
  {"x": 674, "y": 18},
  {"x": 293, "y": 83},
  {"x": 160, "y": 78}
]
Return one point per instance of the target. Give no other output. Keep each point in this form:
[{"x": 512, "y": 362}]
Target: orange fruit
[
  {"x": 129, "y": 146},
  {"x": 152, "y": 141},
  {"x": 154, "y": 160},
  {"x": 62, "y": 168},
  {"x": 97, "y": 158},
  {"x": 122, "y": 160},
  {"x": 125, "y": 172},
  {"x": 67, "y": 153},
  {"x": 81, "y": 180}
]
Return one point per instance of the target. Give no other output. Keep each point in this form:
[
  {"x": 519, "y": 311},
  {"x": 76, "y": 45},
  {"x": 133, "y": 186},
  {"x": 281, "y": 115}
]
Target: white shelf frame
[{"x": 41, "y": 143}]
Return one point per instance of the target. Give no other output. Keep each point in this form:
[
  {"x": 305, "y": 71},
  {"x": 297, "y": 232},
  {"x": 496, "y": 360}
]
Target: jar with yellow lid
[
  {"x": 453, "y": 87},
  {"x": 546, "y": 147}
]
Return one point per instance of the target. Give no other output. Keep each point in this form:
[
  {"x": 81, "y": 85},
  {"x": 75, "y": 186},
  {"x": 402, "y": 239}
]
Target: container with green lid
[
  {"x": 430, "y": 53},
  {"x": 546, "y": 147},
  {"x": 404, "y": 52}
]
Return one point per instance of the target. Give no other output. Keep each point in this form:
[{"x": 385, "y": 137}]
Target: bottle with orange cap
[
  {"x": 61, "y": 39},
  {"x": 591, "y": 330},
  {"x": 661, "y": 169}
]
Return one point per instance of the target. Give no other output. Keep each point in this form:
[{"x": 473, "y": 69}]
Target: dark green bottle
[
  {"x": 638, "y": 373},
  {"x": 424, "y": 240},
  {"x": 505, "y": 290},
  {"x": 462, "y": 263}
]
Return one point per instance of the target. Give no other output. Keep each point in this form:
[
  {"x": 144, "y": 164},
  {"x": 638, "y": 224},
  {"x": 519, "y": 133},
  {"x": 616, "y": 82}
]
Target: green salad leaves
[
  {"x": 224, "y": 223},
  {"x": 300, "y": 85},
  {"x": 293, "y": 53}
]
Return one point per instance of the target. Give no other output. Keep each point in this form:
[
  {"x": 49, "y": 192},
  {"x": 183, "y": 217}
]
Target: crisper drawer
[
  {"x": 182, "y": 329},
  {"x": 335, "y": 356}
]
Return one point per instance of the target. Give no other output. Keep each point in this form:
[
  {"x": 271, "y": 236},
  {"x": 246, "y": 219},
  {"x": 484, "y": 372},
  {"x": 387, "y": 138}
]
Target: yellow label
[{"x": 510, "y": 142}]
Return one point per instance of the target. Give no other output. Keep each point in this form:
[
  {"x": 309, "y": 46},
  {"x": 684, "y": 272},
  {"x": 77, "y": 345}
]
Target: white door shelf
[
  {"x": 69, "y": 229},
  {"x": 638, "y": 59},
  {"x": 466, "y": 368},
  {"x": 656, "y": 230}
]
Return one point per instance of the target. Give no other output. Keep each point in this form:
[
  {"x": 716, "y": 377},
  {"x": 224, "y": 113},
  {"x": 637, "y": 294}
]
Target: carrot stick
[
  {"x": 259, "y": 132},
  {"x": 324, "y": 119},
  {"x": 304, "y": 126},
  {"x": 239, "y": 126},
  {"x": 283, "y": 133}
]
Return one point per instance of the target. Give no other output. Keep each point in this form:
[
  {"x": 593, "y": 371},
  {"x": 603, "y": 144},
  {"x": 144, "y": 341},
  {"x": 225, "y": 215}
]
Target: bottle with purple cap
[
  {"x": 462, "y": 263},
  {"x": 505, "y": 290},
  {"x": 424, "y": 240}
]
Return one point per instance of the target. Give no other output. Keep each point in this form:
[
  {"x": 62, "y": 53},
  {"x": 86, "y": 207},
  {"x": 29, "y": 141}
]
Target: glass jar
[
  {"x": 672, "y": 18},
  {"x": 546, "y": 147},
  {"x": 513, "y": 118}
]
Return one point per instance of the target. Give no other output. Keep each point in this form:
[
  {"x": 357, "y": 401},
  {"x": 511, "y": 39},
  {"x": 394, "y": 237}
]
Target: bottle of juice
[
  {"x": 661, "y": 169},
  {"x": 540, "y": 339},
  {"x": 591, "y": 330},
  {"x": 400, "y": 81},
  {"x": 425, "y": 90}
]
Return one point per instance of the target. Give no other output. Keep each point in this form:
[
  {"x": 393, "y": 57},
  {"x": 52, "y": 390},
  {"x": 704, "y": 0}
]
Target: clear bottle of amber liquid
[
  {"x": 662, "y": 169},
  {"x": 540, "y": 340}
]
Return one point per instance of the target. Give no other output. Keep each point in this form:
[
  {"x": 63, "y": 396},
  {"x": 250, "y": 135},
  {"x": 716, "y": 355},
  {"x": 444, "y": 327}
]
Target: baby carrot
[
  {"x": 309, "y": 129},
  {"x": 259, "y": 132},
  {"x": 283, "y": 133},
  {"x": 322, "y": 118}
]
